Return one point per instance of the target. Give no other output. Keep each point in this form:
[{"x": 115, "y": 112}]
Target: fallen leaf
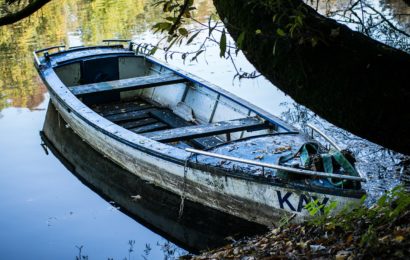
[
  {"x": 315, "y": 248},
  {"x": 349, "y": 239},
  {"x": 399, "y": 238}
]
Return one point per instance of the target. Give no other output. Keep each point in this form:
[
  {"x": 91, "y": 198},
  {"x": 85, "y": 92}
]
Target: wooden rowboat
[
  {"x": 155, "y": 208},
  {"x": 191, "y": 137}
]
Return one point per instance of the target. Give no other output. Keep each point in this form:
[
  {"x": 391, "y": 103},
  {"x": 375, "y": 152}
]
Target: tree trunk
[{"x": 356, "y": 83}]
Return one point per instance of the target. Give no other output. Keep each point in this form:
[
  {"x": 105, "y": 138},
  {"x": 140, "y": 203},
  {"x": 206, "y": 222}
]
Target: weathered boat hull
[
  {"x": 250, "y": 198},
  {"x": 150, "y": 205}
]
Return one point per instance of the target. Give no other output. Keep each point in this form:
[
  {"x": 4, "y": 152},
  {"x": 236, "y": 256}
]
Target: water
[{"x": 48, "y": 212}]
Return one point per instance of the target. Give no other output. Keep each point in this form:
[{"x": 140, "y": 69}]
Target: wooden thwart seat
[
  {"x": 145, "y": 119},
  {"x": 166, "y": 116},
  {"x": 198, "y": 131},
  {"x": 128, "y": 84}
]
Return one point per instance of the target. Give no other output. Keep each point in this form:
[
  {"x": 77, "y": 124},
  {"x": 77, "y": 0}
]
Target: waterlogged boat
[
  {"x": 198, "y": 228},
  {"x": 193, "y": 138}
]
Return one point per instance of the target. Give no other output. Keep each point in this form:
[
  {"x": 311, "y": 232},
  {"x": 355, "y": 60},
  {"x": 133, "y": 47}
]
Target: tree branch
[
  {"x": 177, "y": 22},
  {"x": 23, "y": 13}
]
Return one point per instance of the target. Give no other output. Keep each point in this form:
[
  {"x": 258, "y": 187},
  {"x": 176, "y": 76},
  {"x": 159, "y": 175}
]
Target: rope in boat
[{"x": 181, "y": 205}]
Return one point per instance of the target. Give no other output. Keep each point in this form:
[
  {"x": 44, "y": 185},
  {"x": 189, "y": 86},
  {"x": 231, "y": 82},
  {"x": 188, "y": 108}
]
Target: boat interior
[{"x": 154, "y": 101}]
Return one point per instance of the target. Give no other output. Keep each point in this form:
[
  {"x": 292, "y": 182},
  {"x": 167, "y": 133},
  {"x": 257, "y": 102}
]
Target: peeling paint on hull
[{"x": 260, "y": 201}]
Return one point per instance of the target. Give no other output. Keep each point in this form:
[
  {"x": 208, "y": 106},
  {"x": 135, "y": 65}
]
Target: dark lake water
[{"x": 50, "y": 210}]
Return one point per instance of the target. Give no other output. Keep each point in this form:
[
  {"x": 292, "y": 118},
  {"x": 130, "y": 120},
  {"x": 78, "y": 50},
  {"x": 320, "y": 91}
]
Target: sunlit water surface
[{"x": 46, "y": 212}]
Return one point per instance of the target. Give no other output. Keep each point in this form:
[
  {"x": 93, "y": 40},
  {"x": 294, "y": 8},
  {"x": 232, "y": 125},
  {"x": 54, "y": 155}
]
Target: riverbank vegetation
[{"x": 357, "y": 232}]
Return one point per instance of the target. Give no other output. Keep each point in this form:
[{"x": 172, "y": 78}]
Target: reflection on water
[
  {"x": 385, "y": 21},
  {"x": 401, "y": 12},
  {"x": 198, "y": 228},
  {"x": 59, "y": 22},
  {"x": 46, "y": 213},
  {"x": 70, "y": 22}
]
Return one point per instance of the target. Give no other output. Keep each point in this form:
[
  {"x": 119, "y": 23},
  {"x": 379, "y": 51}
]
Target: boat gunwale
[
  {"x": 82, "y": 48},
  {"x": 91, "y": 57},
  {"x": 47, "y": 72}
]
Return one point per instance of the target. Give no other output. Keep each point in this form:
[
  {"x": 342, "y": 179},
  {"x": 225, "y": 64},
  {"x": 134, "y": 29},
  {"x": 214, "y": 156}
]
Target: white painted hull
[
  {"x": 255, "y": 200},
  {"x": 262, "y": 203}
]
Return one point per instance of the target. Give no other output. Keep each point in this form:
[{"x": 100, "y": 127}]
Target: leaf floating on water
[{"x": 136, "y": 197}]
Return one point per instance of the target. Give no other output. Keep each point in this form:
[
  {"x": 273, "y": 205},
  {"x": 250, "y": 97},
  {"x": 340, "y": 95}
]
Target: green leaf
[
  {"x": 240, "y": 39},
  {"x": 171, "y": 19},
  {"x": 187, "y": 14},
  {"x": 222, "y": 44},
  {"x": 299, "y": 20},
  {"x": 183, "y": 31},
  {"x": 280, "y": 32},
  {"x": 313, "y": 41},
  {"x": 274, "y": 48},
  {"x": 193, "y": 37},
  {"x": 196, "y": 55},
  {"x": 258, "y": 31},
  {"x": 153, "y": 50},
  {"x": 162, "y": 26},
  {"x": 172, "y": 43},
  {"x": 330, "y": 207}
]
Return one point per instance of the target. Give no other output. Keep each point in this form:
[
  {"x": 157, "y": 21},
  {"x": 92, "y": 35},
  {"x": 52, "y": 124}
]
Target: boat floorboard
[
  {"x": 175, "y": 121},
  {"x": 196, "y": 131},
  {"x": 119, "y": 108},
  {"x": 141, "y": 117},
  {"x": 129, "y": 116},
  {"x": 150, "y": 127},
  {"x": 138, "y": 123}
]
